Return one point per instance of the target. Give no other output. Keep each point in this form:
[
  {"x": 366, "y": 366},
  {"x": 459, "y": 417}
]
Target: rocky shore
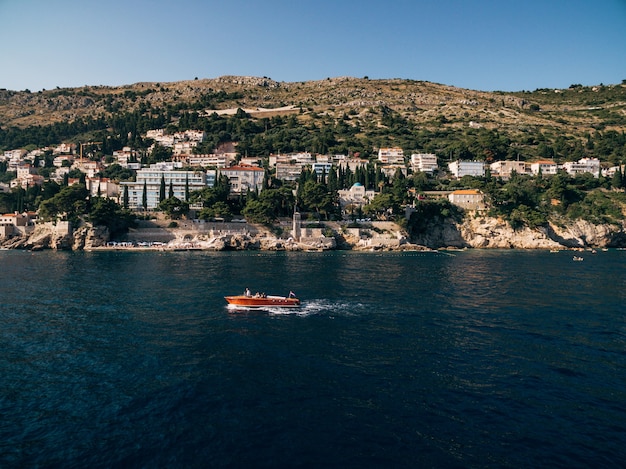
[{"x": 474, "y": 232}]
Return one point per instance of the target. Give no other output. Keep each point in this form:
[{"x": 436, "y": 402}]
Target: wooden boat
[{"x": 263, "y": 301}]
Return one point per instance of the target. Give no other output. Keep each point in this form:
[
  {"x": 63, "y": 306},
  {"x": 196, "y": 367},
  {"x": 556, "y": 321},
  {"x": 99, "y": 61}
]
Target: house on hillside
[
  {"x": 26, "y": 176},
  {"x": 288, "y": 171},
  {"x": 17, "y": 224},
  {"x": 244, "y": 178},
  {"x": 424, "y": 162},
  {"x": 545, "y": 167},
  {"x": 469, "y": 199},
  {"x": 357, "y": 195},
  {"x": 352, "y": 164},
  {"x": 394, "y": 155},
  {"x": 582, "y": 166},
  {"x": 505, "y": 169},
  {"x": 90, "y": 168},
  {"x": 462, "y": 168},
  {"x": 102, "y": 187}
]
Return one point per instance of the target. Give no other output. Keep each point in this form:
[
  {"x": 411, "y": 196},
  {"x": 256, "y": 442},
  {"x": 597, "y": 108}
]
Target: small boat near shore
[{"x": 261, "y": 300}]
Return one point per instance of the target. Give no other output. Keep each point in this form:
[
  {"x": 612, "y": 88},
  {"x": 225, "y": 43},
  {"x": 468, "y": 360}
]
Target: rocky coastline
[{"x": 475, "y": 232}]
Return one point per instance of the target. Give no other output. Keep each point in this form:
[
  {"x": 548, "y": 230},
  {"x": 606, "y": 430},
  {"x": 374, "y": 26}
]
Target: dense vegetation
[{"x": 565, "y": 126}]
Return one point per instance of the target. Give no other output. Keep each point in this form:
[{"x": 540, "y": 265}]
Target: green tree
[
  {"x": 381, "y": 204},
  {"x": 174, "y": 207},
  {"x": 162, "y": 189},
  {"x": 107, "y": 213},
  {"x": 617, "y": 181},
  {"x": 315, "y": 197},
  {"x": 71, "y": 202},
  {"x": 144, "y": 196},
  {"x": 217, "y": 210},
  {"x": 159, "y": 153},
  {"x": 259, "y": 211}
]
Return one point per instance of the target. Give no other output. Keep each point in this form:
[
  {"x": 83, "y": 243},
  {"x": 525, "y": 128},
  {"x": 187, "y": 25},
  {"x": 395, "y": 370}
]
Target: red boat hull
[{"x": 261, "y": 302}]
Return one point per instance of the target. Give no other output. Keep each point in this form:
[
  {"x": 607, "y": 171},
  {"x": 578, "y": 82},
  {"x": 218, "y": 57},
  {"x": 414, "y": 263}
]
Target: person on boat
[{"x": 247, "y": 292}]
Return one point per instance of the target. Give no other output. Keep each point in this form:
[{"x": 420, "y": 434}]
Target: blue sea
[{"x": 467, "y": 359}]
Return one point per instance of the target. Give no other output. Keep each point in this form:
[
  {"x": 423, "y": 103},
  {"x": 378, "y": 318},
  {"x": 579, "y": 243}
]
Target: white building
[
  {"x": 65, "y": 149},
  {"x": 582, "y": 166},
  {"x": 17, "y": 223},
  {"x": 353, "y": 164},
  {"x": 90, "y": 168},
  {"x": 470, "y": 199},
  {"x": 151, "y": 178},
  {"x": 504, "y": 169},
  {"x": 462, "y": 168},
  {"x": 390, "y": 170},
  {"x": 303, "y": 158},
  {"x": 288, "y": 171},
  {"x": 424, "y": 162},
  {"x": 250, "y": 161},
  {"x": 210, "y": 160},
  {"x": 190, "y": 136},
  {"x": 393, "y": 155},
  {"x": 26, "y": 176},
  {"x": 153, "y": 134},
  {"x": 102, "y": 187},
  {"x": 184, "y": 148},
  {"x": 244, "y": 178},
  {"x": 125, "y": 156},
  {"x": 321, "y": 168},
  {"x": 59, "y": 160},
  {"x": 545, "y": 167},
  {"x": 356, "y": 195},
  {"x": 14, "y": 155},
  {"x": 610, "y": 172}
]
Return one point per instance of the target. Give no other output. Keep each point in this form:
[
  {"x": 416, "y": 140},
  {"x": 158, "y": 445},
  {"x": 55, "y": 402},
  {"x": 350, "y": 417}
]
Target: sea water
[{"x": 464, "y": 359}]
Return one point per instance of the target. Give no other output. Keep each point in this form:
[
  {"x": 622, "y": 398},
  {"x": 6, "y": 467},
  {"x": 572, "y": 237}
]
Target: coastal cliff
[
  {"x": 495, "y": 233},
  {"x": 59, "y": 236},
  {"x": 473, "y": 232}
]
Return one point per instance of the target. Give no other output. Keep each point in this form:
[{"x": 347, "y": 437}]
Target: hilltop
[{"x": 575, "y": 111}]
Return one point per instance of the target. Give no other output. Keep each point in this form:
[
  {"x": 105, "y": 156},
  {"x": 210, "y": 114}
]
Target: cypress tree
[
  {"x": 333, "y": 182},
  {"x": 125, "y": 198},
  {"x": 144, "y": 196},
  {"x": 617, "y": 181},
  {"x": 162, "y": 189}
]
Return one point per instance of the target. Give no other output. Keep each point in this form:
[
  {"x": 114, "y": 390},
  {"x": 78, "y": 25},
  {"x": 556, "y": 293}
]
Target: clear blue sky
[{"x": 486, "y": 45}]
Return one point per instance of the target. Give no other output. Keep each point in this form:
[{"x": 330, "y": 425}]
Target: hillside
[{"x": 576, "y": 111}]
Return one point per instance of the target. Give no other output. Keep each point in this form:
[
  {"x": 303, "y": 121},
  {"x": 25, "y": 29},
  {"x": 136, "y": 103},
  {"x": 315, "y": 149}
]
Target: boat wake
[{"x": 307, "y": 308}]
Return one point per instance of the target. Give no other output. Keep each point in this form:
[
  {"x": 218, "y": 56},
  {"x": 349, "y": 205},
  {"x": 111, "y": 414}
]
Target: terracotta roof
[
  {"x": 243, "y": 168},
  {"x": 466, "y": 192}
]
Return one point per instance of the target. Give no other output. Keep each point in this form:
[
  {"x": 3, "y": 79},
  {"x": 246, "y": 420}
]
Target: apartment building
[
  {"x": 394, "y": 155},
  {"x": 424, "y": 162},
  {"x": 462, "y": 168},
  {"x": 151, "y": 178},
  {"x": 244, "y": 178}
]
